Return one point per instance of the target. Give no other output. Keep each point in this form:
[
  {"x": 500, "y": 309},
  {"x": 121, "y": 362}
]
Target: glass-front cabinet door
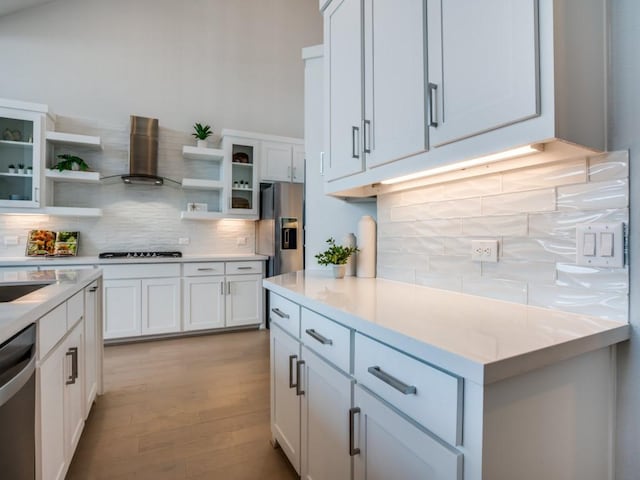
[
  {"x": 242, "y": 175},
  {"x": 20, "y": 158}
]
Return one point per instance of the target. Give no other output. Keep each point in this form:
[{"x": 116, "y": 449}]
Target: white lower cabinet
[
  {"x": 68, "y": 377},
  {"x": 285, "y": 398},
  {"x": 390, "y": 446},
  {"x": 203, "y": 303},
  {"x": 244, "y": 300},
  {"x": 327, "y": 435},
  {"x": 122, "y": 308},
  {"x": 160, "y": 305}
]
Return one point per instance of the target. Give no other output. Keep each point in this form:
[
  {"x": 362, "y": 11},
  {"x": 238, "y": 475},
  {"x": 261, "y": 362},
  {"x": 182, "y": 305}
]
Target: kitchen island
[
  {"x": 66, "y": 310},
  {"x": 429, "y": 380}
]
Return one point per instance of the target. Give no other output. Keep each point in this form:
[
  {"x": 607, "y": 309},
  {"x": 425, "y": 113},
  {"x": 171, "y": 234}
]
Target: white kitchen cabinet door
[
  {"x": 298, "y": 166},
  {"x": 343, "y": 88},
  {"x": 275, "y": 161},
  {"x": 73, "y": 390},
  {"x": 244, "y": 300},
  {"x": 325, "y": 426},
  {"x": 285, "y": 401},
  {"x": 160, "y": 305},
  {"x": 394, "y": 80},
  {"x": 204, "y": 303},
  {"x": 52, "y": 425},
  {"x": 91, "y": 347},
  {"x": 483, "y": 66},
  {"x": 392, "y": 447},
  {"x": 121, "y": 308}
]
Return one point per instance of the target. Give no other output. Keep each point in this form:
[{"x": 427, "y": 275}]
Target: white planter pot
[
  {"x": 75, "y": 167},
  {"x": 202, "y": 143},
  {"x": 21, "y": 171},
  {"x": 12, "y": 170},
  {"x": 339, "y": 270}
]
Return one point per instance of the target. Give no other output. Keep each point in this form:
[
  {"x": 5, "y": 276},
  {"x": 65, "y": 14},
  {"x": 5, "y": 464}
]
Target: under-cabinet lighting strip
[{"x": 494, "y": 157}]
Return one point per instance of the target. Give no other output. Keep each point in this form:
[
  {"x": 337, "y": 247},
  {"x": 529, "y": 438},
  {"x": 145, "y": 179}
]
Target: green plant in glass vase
[{"x": 336, "y": 255}]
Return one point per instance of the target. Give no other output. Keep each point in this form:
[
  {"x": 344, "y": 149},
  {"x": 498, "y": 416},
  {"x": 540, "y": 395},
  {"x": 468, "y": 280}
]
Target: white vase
[
  {"x": 202, "y": 143},
  {"x": 367, "y": 244},
  {"x": 338, "y": 271},
  {"x": 350, "y": 241}
]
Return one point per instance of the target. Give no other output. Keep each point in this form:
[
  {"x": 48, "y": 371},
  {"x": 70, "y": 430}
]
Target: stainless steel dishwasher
[{"x": 17, "y": 405}]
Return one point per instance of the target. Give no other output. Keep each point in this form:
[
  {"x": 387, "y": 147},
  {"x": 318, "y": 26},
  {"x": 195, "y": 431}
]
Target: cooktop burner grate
[{"x": 139, "y": 254}]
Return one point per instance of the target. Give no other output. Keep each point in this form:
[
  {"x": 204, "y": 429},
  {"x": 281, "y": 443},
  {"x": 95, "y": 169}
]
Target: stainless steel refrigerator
[{"x": 280, "y": 229}]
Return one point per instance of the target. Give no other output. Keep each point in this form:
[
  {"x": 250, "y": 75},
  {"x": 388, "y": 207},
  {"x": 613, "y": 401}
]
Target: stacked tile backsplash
[
  {"x": 135, "y": 217},
  {"x": 424, "y": 234}
]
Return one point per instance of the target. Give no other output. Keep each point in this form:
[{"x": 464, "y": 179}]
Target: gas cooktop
[{"x": 139, "y": 254}]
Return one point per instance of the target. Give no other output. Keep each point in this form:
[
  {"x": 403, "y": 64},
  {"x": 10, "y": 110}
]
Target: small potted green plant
[
  {"x": 12, "y": 168},
  {"x": 336, "y": 255},
  {"x": 29, "y": 170},
  {"x": 21, "y": 168},
  {"x": 202, "y": 133},
  {"x": 70, "y": 162}
]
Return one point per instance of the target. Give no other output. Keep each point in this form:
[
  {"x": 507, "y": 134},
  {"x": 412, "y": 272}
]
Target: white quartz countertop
[
  {"x": 94, "y": 260},
  {"x": 16, "y": 315},
  {"x": 481, "y": 339}
]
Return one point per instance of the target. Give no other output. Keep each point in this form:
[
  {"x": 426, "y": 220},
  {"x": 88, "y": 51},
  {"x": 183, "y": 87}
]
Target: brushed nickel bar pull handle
[
  {"x": 202, "y": 269},
  {"x": 245, "y": 268},
  {"x": 392, "y": 381},
  {"x": 321, "y": 163},
  {"x": 299, "y": 365},
  {"x": 320, "y": 338},
  {"x": 74, "y": 364},
  {"x": 352, "y": 413},
  {"x": 289, "y": 175},
  {"x": 93, "y": 289},
  {"x": 70, "y": 380},
  {"x": 221, "y": 288},
  {"x": 293, "y": 173},
  {"x": 280, "y": 313},
  {"x": 367, "y": 136},
  {"x": 433, "y": 98},
  {"x": 291, "y": 384},
  {"x": 228, "y": 288},
  {"x": 354, "y": 130}
]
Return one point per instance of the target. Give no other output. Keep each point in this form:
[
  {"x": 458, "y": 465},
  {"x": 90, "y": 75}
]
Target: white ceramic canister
[
  {"x": 366, "y": 264},
  {"x": 349, "y": 240}
]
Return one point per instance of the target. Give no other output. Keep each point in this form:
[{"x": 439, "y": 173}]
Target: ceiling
[{"x": 10, "y": 6}]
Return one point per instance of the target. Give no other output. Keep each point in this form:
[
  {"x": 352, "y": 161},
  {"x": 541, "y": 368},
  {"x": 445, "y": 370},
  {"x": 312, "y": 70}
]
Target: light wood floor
[{"x": 190, "y": 408}]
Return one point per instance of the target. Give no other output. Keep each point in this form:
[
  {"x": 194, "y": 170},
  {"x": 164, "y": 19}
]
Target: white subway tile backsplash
[
  {"x": 560, "y": 173},
  {"x": 498, "y": 226},
  {"x": 609, "y": 166},
  {"x": 543, "y": 200},
  {"x": 592, "y": 278},
  {"x": 508, "y": 290},
  {"x": 425, "y": 234},
  {"x": 594, "y": 195}
]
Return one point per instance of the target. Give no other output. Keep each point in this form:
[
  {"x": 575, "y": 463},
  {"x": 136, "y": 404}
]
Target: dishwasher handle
[{"x": 13, "y": 386}]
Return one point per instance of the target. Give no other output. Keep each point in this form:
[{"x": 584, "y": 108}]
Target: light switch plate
[{"x": 583, "y": 232}]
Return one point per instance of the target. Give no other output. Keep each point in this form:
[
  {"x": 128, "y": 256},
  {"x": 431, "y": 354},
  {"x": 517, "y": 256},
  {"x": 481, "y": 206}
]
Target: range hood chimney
[{"x": 143, "y": 152}]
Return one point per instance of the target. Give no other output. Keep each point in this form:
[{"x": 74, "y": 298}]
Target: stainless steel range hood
[{"x": 143, "y": 152}]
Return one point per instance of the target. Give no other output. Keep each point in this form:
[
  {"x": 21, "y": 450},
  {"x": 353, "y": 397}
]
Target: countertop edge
[
  {"x": 482, "y": 373},
  {"x": 94, "y": 260}
]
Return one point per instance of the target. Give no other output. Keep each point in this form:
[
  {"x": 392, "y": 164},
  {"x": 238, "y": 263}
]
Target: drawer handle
[
  {"x": 352, "y": 413},
  {"x": 392, "y": 381},
  {"x": 200, "y": 269},
  {"x": 280, "y": 313},
  {"x": 299, "y": 365},
  {"x": 291, "y": 384},
  {"x": 73, "y": 353},
  {"x": 433, "y": 119},
  {"x": 316, "y": 336},
  {"x": 93, "y": 289},
  {"x": 245, "y": 268}
]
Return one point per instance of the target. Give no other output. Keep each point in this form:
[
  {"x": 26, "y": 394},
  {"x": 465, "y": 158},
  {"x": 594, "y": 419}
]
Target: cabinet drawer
[
  {"x": 141, "y": 271},
  {"x": 238, "y": 268},
  {"x": 202, "y": 269},
  {"x": 51, "y": 328},
  {"x": 431, "y": 396},
  {"x": 75, "y": 309},
  {"x": 285, "y": 314},
  {"x": 327, "y": 338}
]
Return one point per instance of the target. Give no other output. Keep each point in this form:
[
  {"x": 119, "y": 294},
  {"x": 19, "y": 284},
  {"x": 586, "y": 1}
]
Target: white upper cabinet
[
  {"x": 282, "y": 162},
  {"x": 343, "y": 95},
  {"x": 394, "y": 80},
  {"x": 483, "y": 66},
  {"x": 298, "y": 164}
]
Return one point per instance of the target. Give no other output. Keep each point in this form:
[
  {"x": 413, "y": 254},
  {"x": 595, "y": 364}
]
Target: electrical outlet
[
  {"x": 484, "y": 251},
  {"x": 183, "y": 241}
]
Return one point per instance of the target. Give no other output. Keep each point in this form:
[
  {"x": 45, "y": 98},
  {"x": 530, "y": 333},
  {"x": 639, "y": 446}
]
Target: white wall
[
  {"x": 229, "y": 63},
  {"x": 624, "y": 132}
]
